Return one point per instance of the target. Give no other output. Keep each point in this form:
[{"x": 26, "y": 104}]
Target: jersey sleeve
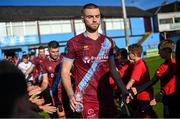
[
  {"x": 43, "y": 68},
  {"x": 161, "y": 70},
  {"x": 136, "y": 72},
  {"x": 70, "y": 51},
  {"x": 168, "y": 82},
  {"x": 123, "y": 70}
]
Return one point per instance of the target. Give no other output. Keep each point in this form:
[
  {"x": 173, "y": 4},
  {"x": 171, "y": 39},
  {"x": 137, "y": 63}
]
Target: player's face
[
  {"x": 25, "y": 60},
  {"x": 163, "y": 53},
  {"x": 42, "y": 53},
  {"x": 91, "y": 19},
  {"x": 54, "y": 53},
  {"x": 131, "y": 56}
]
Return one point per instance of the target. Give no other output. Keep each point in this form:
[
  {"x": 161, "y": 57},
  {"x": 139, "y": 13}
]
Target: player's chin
[
  {"x": 94, "y": 28},
  {"x": 55, "y": 57}
]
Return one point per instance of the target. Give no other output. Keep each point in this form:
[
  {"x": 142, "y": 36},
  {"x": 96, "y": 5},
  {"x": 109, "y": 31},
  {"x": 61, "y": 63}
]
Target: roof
[
  {"x": 172, "y": 7},
  {"x": 29, "y": 13}
]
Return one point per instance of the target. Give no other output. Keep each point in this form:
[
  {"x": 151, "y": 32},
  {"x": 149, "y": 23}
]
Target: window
[
  {"x": 17, "y": 28},
  {"x": 53, "y": 27},
  {"x": 166, "y": 21},
  {"x": 177, "y": 20},
  {"x": 79, "y": 26},
  {"x": 30, "y": 28},
  {"x": 3, "y": 32},
  {"x": 115, "y": 24}
]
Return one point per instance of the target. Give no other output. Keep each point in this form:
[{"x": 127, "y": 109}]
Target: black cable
[
  {"x": 147, "y": 84},
  {"x": 116, "y": 76}
]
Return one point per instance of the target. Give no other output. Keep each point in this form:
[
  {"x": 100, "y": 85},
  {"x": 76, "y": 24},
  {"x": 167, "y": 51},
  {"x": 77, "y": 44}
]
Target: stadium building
[{"x": 23, "y": 28}]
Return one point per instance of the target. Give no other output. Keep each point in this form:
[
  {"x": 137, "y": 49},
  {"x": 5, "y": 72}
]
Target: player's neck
[
  {"x": 92, "y": 35},
  {"x": 52, "y": 59}
]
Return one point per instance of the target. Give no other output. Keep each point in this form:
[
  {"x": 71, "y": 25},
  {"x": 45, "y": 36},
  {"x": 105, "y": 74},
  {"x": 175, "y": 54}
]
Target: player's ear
[{"x": 82, "y": 18}]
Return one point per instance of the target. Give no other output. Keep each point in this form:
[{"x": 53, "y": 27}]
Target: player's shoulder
[
  {"x": 75, "y": 38},
  {"x": 44, "y": 61}
]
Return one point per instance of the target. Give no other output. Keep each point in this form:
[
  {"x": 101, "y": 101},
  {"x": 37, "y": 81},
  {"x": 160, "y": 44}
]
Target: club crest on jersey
[{"x": 86, "y": 59}]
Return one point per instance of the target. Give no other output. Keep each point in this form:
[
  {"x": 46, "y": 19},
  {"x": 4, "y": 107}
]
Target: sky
[{"x": 142, "y": 4}]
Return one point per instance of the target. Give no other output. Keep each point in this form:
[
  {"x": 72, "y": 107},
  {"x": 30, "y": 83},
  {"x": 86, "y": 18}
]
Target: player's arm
[
  {"x": 29, "y": 70},
  {"x": 146, "y": 85},
  {"x": 66, "y": 77},
  {"x": 158, "y": 74},
  {"x": 130, "y": 83},
  {"x": 66, "y": 81},
  {"x": 45, "y": 82}
]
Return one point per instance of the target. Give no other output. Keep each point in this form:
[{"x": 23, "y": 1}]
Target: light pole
[{"x": 125, "y": 22}]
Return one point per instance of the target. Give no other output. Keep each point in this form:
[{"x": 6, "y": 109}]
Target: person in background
[
  {"x": 166, "y": 72},
  {"x": 32, "y": 55},
  {"x": 37, "y": 70},
  {"x": 123, "y": 65},
  {"x": 10, "y": 56},
  {"x": 41, "y": 55},
  {"x": 26, "y": 67},
  {"x": 36, "y": 94},
  {"x": 88, "y": 53},
  {"x": 38, "y": 100},
  {"x": 177, "y": 78},
  {"x": 14, "y": 101},
  {"x": 139, "y": 76},
  {"x": 51, "y": 68}
]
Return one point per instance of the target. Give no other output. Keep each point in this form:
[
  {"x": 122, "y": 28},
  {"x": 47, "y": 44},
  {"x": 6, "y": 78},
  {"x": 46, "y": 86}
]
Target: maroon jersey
[
  {"x": 38, "y": 60},
  {"x": 140, "y": 74},
  {"x": 51, "y": 68},
  {"x": 85, "y": 52},
  {"x": 167, "y": 73},
  {"x": 37, "y": 69}
]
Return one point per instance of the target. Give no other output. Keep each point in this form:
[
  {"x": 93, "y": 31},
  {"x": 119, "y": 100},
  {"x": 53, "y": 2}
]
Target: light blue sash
[{"x": 106, "y": 45}]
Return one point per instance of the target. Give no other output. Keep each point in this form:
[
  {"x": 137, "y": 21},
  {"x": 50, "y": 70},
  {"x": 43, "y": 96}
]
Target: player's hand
[
  {"x": 35, "y": 99},
  {"x": 48, "y": 108},
  {"x": 34, "y": 90},
  {"x": 129, "y": 98},
  {"x": 153, "y": 102},
  {"x": 133, "y": 89},
  {"x": 73, "y": 103}
]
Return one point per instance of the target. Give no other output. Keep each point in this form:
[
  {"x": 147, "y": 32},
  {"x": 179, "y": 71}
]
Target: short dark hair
[
  {"x": 88, "y": 6},
  {"x": 123, "y": 52},
  {"x": 25, "y": 56},
  {"x": 53, "y": 44},
  {"x": 166, "y": 44},
  {"x": 10, "y": 53},
  {"x": 40, "y": 47}
]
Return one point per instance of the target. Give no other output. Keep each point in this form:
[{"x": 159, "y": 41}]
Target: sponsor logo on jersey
[
  {"x": 86, "y": 47},
  {"x": 92, "y": 59}
]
